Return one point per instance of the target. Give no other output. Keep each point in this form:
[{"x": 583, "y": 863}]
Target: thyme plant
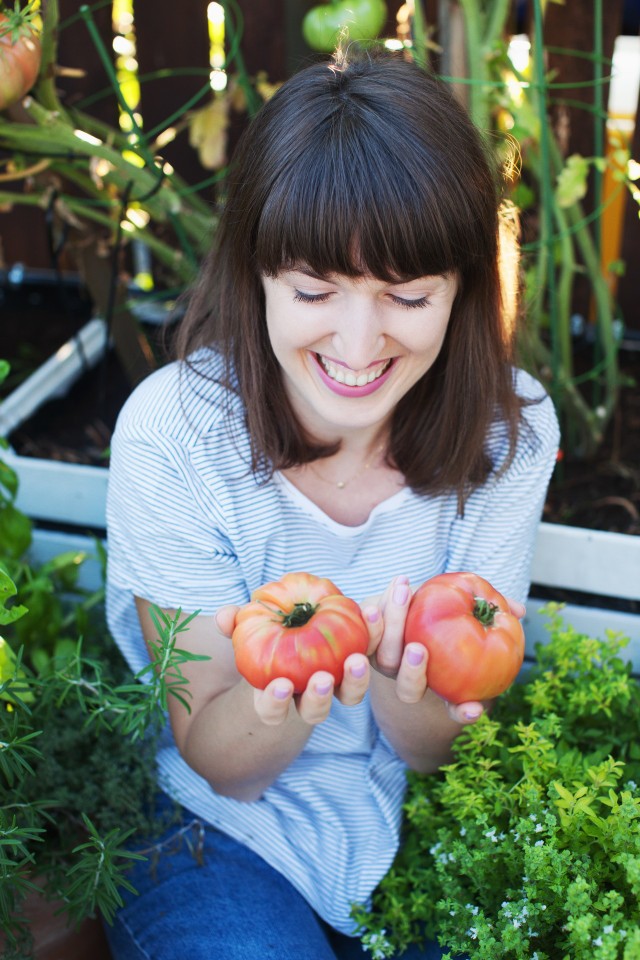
[{"x": 527, "y": 846}]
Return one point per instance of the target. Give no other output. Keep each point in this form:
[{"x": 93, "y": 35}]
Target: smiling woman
[
  {"x": 345, "y": 405},
  {"x": 393, "y": 335}
]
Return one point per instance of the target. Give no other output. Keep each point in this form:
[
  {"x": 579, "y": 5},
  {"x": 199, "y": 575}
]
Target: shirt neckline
[{"x": 390, "y": 505}]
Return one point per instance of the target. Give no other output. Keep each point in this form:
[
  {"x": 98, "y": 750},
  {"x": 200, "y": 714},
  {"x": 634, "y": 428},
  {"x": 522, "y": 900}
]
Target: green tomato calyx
[
  {"x": 301, "y": 614},
  {"x": 485, "y": 611}
]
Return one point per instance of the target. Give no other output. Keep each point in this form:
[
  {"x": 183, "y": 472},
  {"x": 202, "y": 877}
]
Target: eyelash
[{"x": 301, "y": 297}]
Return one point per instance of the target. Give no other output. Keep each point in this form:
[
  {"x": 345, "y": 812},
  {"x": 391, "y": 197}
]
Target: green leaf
[
  {"x": 15, "y": 531},
  {"x": 7, "y": 591},
  {"x": 572, "y": 181}
]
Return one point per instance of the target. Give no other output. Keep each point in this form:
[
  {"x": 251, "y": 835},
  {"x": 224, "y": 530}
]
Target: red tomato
[
  {"x": 295, "y": 626},
  {"x": 475, "y": 644},
  {"x": 20, "y": 55}
]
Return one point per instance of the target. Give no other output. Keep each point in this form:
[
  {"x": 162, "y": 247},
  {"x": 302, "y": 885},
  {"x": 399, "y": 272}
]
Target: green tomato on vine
[{"x": 363, "y": 20}]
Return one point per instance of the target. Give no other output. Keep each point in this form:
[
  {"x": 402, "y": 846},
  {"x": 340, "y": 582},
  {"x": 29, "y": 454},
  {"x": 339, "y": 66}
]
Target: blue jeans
[{"x": 205, "y": 896}]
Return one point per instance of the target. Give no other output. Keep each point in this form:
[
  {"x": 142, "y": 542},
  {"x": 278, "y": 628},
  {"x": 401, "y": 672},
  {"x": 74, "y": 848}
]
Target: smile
[{"x": 353, "y": 378}]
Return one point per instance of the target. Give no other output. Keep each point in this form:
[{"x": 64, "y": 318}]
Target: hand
[{"x": 274, "y": 704}]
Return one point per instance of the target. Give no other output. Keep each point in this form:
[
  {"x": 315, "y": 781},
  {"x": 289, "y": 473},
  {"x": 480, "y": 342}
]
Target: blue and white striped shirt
[{"x": 189, "y": 526}]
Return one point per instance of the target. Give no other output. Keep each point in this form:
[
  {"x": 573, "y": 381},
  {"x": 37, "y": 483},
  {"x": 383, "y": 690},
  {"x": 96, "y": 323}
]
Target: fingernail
[
  {"x": 401, "y": 593},
  {"x": 281, "y": 692},
  {"x": 473, "y": 713},
  {"x": 372, "y": 614},
  {"x": 322, "y": 688},
  {"x": 358, "y": 670},
  {"x": 415, "y": 656}
]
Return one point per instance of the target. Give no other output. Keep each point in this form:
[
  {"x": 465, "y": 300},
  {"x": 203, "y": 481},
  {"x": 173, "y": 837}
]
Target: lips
[{"x": 352, "y": 383}]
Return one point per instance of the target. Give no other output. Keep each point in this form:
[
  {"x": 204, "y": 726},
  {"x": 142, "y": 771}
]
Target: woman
[{"x": 345, "y": 404}]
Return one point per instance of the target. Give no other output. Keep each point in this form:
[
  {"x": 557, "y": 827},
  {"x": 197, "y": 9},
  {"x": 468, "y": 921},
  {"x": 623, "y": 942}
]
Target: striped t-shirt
[{"x": 190, "y": 527}]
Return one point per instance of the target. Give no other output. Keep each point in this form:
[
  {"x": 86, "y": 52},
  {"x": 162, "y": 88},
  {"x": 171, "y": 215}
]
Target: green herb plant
[
  {"x": 77, "y": 734},
  {"x": 528, "y": 844}
]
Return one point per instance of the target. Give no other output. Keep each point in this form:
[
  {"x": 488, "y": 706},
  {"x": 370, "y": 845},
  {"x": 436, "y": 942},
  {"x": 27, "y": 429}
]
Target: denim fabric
[{"x": 204, "y": 896}]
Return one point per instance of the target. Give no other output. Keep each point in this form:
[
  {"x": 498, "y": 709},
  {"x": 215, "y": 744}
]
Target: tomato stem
[
  {"x": 301, "y": 614},
  {"x": 485, "y": 611}
]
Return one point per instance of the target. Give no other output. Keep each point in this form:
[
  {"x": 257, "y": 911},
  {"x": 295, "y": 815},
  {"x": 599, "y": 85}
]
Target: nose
[{"x": 359, "y": 340}]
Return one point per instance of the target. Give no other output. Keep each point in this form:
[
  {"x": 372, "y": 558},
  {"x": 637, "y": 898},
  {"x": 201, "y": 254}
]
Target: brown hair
[{"x": 364, "y": 166}]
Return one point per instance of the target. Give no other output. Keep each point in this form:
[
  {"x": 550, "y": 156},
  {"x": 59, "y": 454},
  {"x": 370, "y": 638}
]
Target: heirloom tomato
[
  {"x": 475, "y": 643},
  {"x": 363, "y": 19},
  {"x": 295, "y": 626},
  {"x": 20, "y": 54}
]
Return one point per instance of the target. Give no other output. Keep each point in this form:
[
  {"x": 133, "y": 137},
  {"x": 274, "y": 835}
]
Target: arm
[{"x": 238, "y": 738}]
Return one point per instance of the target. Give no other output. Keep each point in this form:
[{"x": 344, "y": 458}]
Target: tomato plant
[
  {"x": 364, "y": 19},
  {"x": 295, "y": 626},
  {"x": 20, "y": 53},
  {"x": 475, "y": 643}
]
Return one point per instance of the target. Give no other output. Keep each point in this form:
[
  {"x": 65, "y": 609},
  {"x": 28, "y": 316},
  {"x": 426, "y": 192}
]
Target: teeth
[{"x": 351, "y": 378}]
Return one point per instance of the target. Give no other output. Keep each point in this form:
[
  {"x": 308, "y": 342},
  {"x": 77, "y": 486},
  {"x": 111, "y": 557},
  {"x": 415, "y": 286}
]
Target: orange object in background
[{"x": 622, "y": 111}]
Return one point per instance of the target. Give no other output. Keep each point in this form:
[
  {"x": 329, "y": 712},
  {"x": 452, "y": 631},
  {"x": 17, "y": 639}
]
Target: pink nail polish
[
  {"x": 400, "y": 593},
  {"x": 472, "y": 714},
  {"x": 358, "y": 670},
  {"x": 415, "y": 656},
  {"x": 372, "y": 614},
  {"x": 281, "y": 693},
  {"x": 323, "y": 688}
]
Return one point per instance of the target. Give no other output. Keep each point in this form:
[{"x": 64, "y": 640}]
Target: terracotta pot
[{"x": 55, "y": 940}]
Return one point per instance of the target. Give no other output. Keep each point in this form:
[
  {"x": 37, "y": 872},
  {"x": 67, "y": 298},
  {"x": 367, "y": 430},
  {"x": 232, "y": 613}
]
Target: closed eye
[
  {"x": 301, "y": 297},
  {"x": 410, "y": 304}
]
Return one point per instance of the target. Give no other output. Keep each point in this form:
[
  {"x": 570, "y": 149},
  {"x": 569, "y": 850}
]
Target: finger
[
  {"x": 272, "y": 704},
  {"x": 355, "y": 681},
  {"x": 225, "y": 619},
  {"x": 372, "y": 616},
  {"x": 315, "y": 703},
  {"x": 396, "y": 603},
  {"x": 466, "y": 713},
  {"x": 517, "y": 609},
  {"x": 411, "y": 682}
]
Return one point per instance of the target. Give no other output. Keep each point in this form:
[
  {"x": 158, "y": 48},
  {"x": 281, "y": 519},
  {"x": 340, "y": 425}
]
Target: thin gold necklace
[{"x": 341, "y": 484}]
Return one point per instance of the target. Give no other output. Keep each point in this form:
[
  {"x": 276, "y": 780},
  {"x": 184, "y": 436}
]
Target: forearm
[
  {"x": 421, "y": 732},
  {"x": 239, "y": 755}
]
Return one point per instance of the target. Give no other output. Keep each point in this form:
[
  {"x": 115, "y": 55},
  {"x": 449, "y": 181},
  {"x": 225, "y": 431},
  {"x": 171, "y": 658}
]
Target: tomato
[
  {"x": 364, "y": 19},
  {"x": 294, "y": 627},
  {"x": 20, "y": 54},
  {"x": 475, "y": 643}
]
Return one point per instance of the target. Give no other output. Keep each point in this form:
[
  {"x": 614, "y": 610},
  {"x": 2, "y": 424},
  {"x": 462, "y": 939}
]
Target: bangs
[{"x": 350, "y": 202}]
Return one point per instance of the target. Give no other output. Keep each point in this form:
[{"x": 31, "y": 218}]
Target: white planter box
[
  {"x": 65, "y": 493},
  {"x": 593, "y": 562},
  {"x": 563, "y": 540}
]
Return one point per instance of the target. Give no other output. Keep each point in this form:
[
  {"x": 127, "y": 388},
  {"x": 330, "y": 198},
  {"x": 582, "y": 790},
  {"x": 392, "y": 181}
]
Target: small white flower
[
  {"x": 597, "y": 942},
  {"x": 608, "y": 929},
  {"x": 539, "y": 828},
  {"x": 516, "y": 922},
  {"x": 473, "y": 933},
  {"x": 539, "y": 843}
]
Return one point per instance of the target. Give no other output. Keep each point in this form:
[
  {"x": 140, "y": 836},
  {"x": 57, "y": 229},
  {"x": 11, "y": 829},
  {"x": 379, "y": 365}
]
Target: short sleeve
[{"x": 167, "y": 538}]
